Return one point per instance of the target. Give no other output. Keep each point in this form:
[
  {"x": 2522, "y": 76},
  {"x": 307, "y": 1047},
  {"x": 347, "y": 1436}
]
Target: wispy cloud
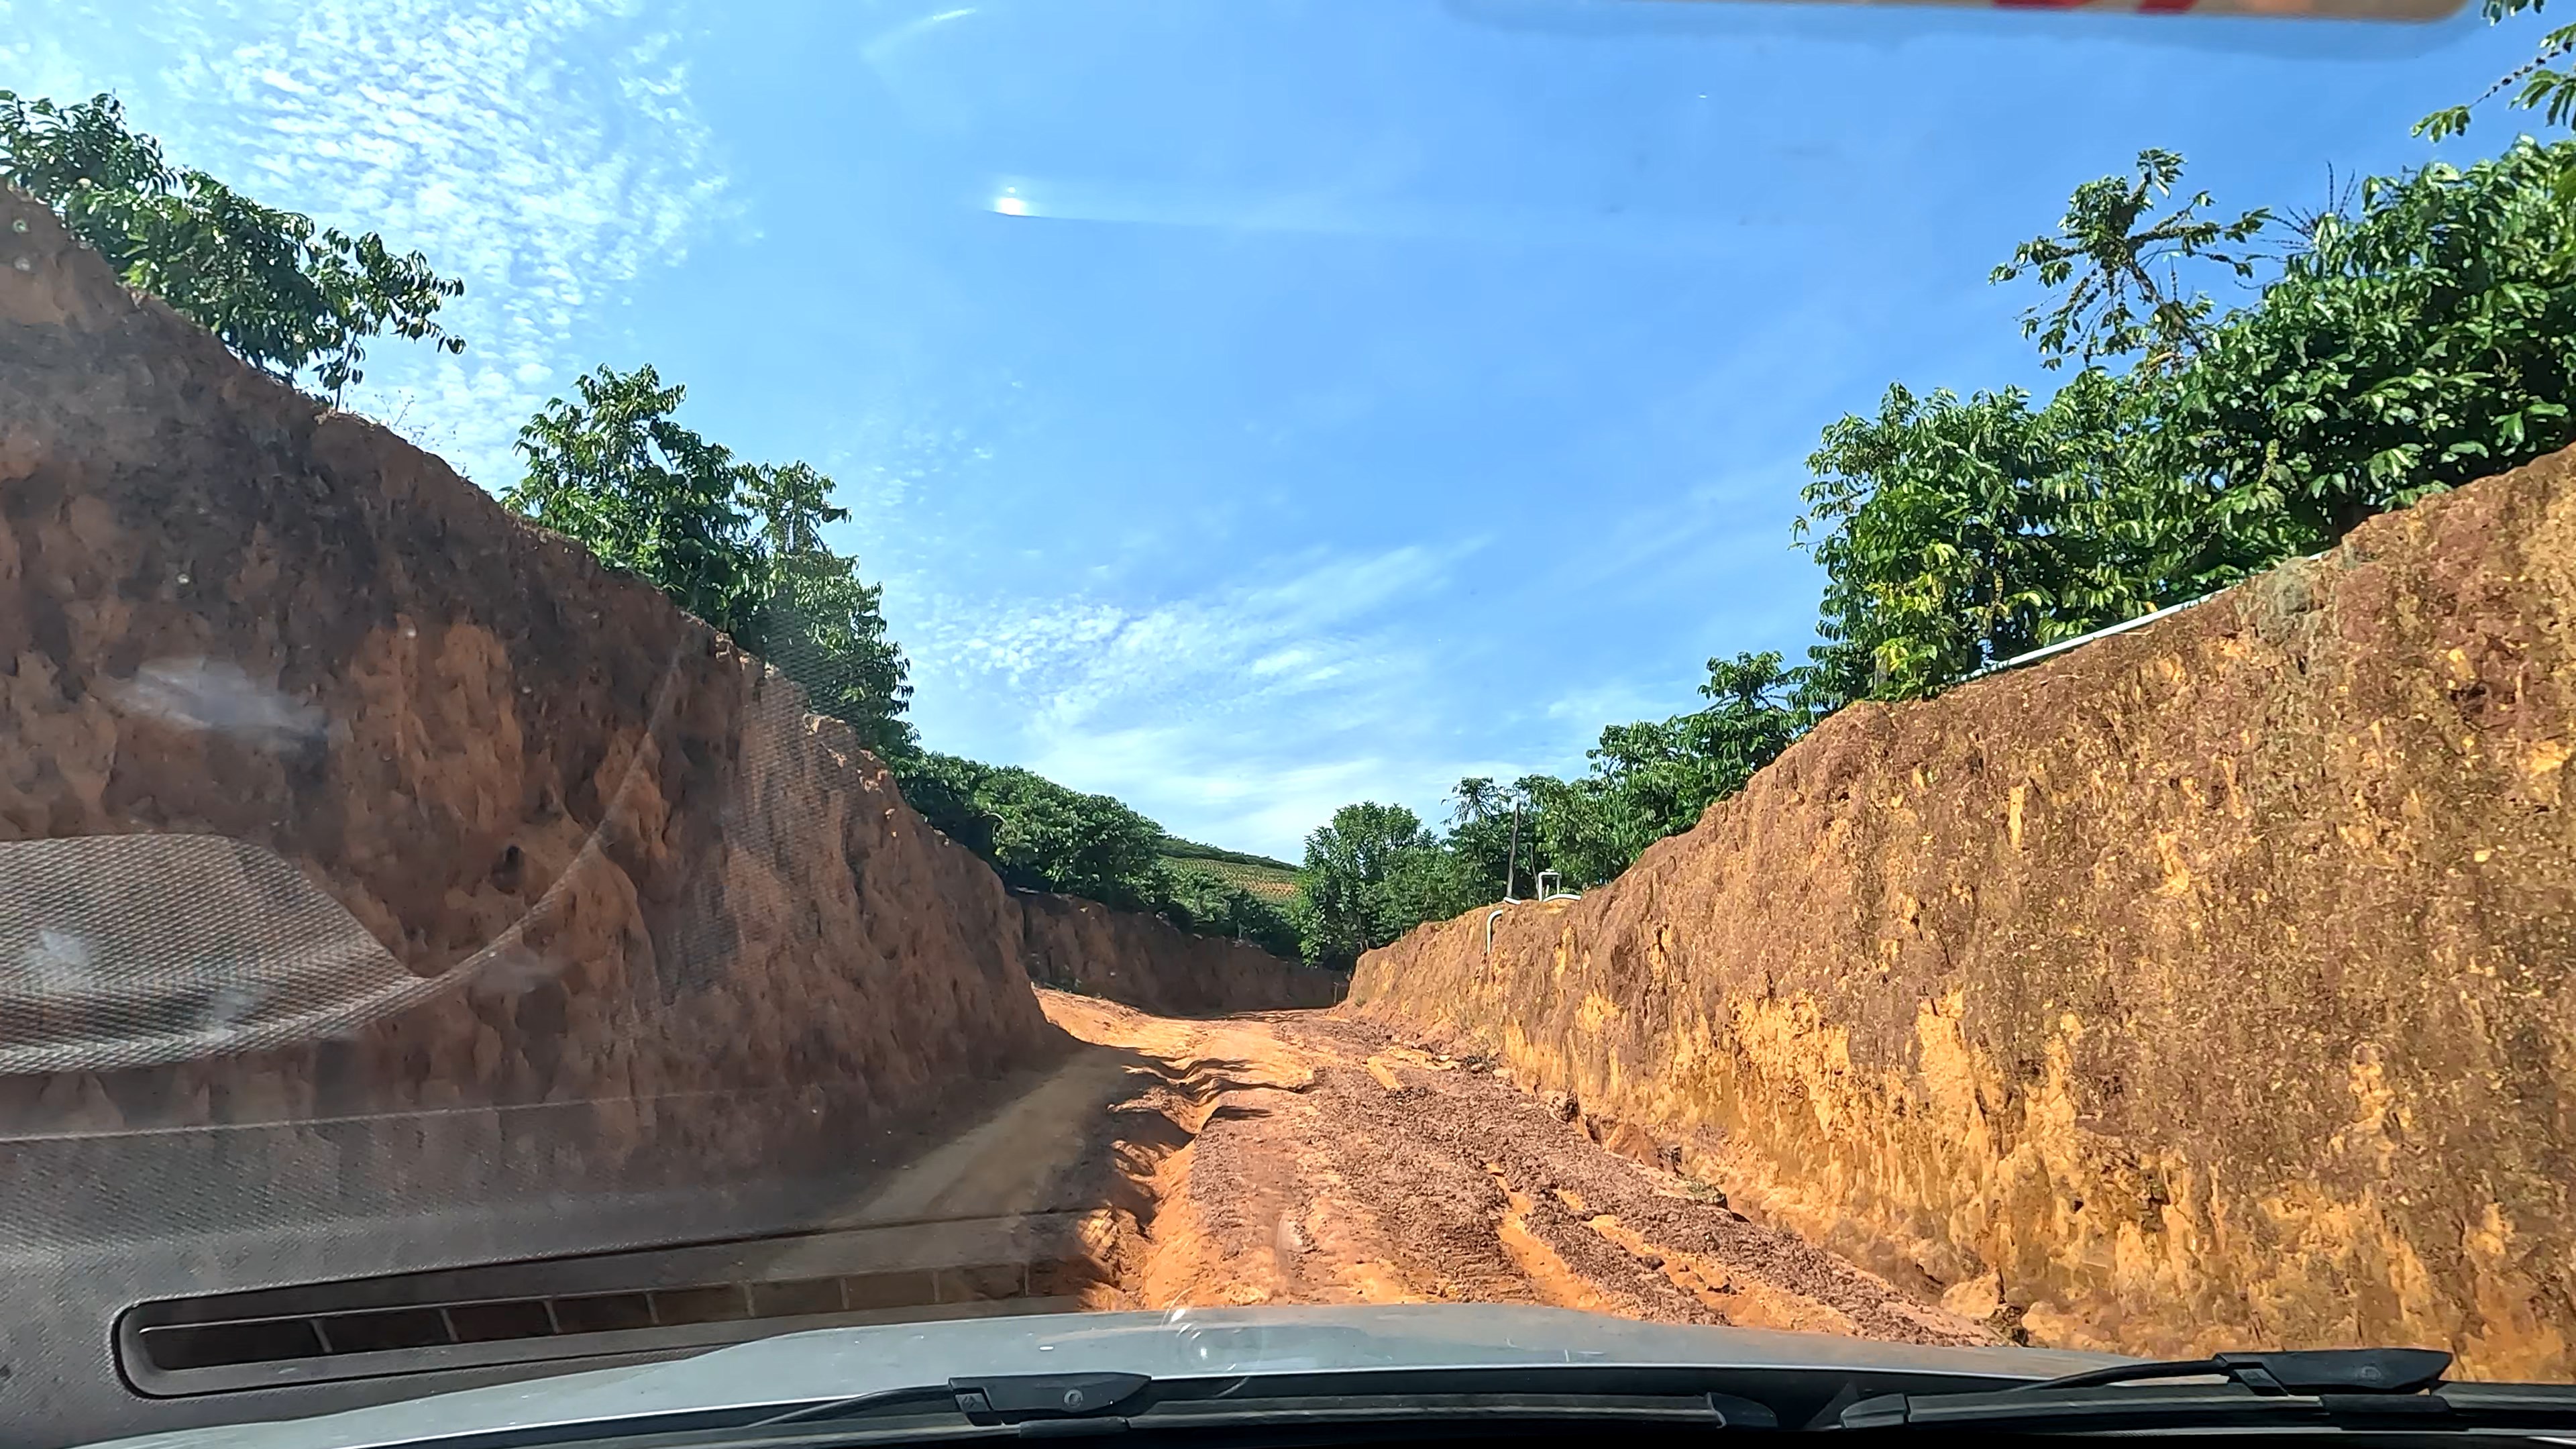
[
  {"x": 1247, "y": 713},
  {"x": 546, "y": 153},
  {"x": 34, "y": 60},
  {"x": 1077, "y": 660}
]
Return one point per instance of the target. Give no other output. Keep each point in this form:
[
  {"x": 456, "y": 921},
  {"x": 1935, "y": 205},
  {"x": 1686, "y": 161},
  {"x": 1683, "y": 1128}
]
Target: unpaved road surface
[{"x": 1296, "y": 1157}]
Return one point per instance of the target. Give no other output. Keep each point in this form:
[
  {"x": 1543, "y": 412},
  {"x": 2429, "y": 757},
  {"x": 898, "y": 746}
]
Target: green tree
[
  {"x": 286, "y": 296},
  {"x": 1493, "y": 834},
  {"x": 820, "y": 624},
  {"x": 1040, "y": 835},
  {"x": 1655, "y": 778},
  {"x": 737, "y": 544},
  {"x": 943, "y": 788},
  {"x": 2538, "y": 84},
  {"x": 2121, "y": 265},
  {"x": 1369, "y": 876},
  {"x": 1375, "y": 872},
  {"x": 1955, "y": 532},
  {"x": 1199, "y": 902},
  {"x": 2425, "y": 341},
  {"x": 1478, "y": 799},
  {"x": 1047, "y": 837},
  {"x": 616, "y": 472},
  {"x": 1579, "y": 825},
  {"x": 2418, "y": 342}
]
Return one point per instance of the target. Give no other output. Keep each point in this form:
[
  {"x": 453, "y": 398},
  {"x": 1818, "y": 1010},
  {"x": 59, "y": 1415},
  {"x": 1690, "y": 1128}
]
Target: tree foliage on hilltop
[
  {"x": 1039, "y": 835},
  {"x": 1376, "y": 871},
  {"x": 283, "y": 294},
  {"x": 1654, "y": 778},
  {"x": 738, "y": 544},
  {"x": 741, "y": 545},
  {"x": 2424, "y": 340},
  {"x": 2416, "y": 341}
]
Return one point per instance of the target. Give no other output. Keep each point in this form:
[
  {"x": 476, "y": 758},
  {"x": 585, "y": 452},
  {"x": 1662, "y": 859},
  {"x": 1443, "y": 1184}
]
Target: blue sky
[{"x": 1374, "y": 392}]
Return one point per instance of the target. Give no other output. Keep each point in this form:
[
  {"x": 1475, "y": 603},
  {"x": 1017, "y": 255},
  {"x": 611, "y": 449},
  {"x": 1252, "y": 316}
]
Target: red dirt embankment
[
  {"x": 610, "y": 866},
  {"x": 2209, "y": 985},
  {"x": 1152, "y": 965}
]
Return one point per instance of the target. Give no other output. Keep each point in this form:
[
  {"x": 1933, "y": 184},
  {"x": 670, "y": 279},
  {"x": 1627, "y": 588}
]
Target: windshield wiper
[
  {"x": 1001, "y": 1399},
  {"x": 2333, "y": 1370},
  {"x": 2336, "y": 1388},
  {"x": 1032, "y": 1402}
]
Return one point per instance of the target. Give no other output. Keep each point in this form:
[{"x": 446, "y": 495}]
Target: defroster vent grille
[{"x": 624, "y": 1305}]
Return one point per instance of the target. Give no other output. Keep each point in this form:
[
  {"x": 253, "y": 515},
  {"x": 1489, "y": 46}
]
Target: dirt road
[{"x": 1299, "y": 1158}]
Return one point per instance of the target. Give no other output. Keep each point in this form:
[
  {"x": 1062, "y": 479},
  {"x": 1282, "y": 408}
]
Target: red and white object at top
[{"x": 2390, "y": 10}]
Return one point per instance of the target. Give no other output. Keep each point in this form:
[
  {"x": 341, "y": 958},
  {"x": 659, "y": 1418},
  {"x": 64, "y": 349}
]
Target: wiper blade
[
  {"x": 2109, "y": 1405},
  {"x": 1003, "y": 1399},
  {"x": 927, "y": 1397},
  {"x": 1136, "y": 1400},
  {"x": 2339, "y": 1388},
  {"x": 2362, "y": 1370}
]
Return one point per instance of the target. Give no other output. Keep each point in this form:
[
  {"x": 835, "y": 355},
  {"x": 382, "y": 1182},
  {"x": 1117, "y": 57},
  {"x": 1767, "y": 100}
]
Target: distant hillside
[
  {"x": 1259, "y": 875},
  {"x": 1175, "y": 848}
]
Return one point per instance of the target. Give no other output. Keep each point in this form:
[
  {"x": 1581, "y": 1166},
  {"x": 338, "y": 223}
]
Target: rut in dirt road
[{"x": 1296, "y": 1157}]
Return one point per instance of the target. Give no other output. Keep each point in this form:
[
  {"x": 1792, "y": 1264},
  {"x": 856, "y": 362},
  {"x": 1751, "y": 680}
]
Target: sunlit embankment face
[{"x": 2197, "y": 988}]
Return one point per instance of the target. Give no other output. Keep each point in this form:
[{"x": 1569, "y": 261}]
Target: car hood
[{"x": 1181, "y": 1343}]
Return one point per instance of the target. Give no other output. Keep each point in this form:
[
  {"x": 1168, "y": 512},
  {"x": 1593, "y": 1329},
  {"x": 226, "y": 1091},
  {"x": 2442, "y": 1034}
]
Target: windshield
[{"x": 672, "y": 674}]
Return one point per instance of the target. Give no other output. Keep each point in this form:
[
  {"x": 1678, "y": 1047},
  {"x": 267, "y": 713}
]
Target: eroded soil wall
[
  {"x": 1147, "y": 963},
  {"x": 2206, "y": 986},
  {"x": 695, "y": 929}
]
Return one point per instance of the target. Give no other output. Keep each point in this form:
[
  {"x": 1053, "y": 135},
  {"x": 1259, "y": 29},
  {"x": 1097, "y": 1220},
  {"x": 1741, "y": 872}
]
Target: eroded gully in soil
[{"x": 1301, "y": 1158}]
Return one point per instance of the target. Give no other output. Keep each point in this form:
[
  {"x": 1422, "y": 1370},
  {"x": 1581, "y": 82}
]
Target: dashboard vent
[{"x": 626, "y": 1304}]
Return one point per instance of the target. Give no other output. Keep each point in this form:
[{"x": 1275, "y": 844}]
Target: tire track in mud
[{"x": 1295, "y": 1157}]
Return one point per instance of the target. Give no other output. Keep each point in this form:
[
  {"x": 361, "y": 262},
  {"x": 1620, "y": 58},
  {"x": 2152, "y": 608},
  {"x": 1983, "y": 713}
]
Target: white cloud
[
  {"x": 34, "y": 61},
  {"x": 1075, "y": 661},
  {"x": 1246, "y": 714},
  {"x": 546, "y": 153}
]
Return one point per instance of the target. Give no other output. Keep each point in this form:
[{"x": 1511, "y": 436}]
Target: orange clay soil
[{"x": 1297, "y": 1157}]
